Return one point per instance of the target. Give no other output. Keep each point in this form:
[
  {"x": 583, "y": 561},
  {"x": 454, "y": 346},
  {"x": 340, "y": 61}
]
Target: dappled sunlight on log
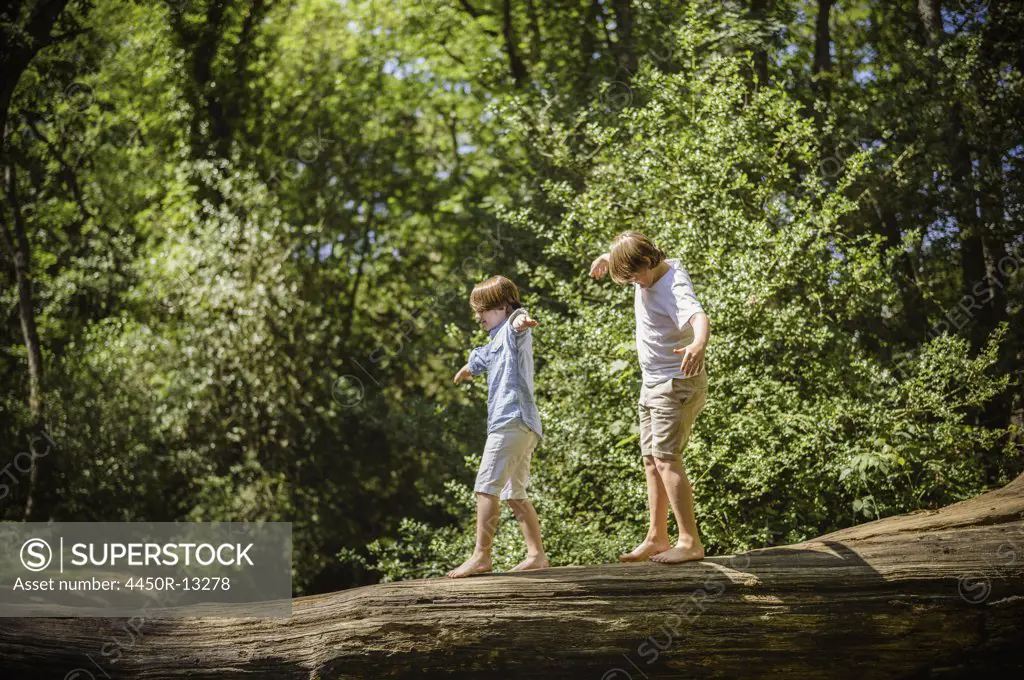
[{"x": 937, "y": 591}]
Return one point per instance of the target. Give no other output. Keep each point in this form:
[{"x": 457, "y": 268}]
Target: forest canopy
[{"x": 239, "y": 238}]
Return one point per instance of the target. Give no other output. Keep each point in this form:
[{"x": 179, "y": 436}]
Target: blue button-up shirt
[{"x": 508, "y": 361}]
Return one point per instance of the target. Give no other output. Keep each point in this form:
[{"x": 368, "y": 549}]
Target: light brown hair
[
  {"x": 496, "y": 292},
  {"x": 632, "y": 252}
]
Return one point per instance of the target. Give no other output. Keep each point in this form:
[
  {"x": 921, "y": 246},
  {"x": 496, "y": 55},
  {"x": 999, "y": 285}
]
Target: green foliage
[
  {"x": 253, "y": 233},
  {"x": 806, "y": 429}
]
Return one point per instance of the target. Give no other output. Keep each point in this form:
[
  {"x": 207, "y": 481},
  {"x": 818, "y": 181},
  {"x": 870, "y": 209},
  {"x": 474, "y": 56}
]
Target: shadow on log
[{"x": 936, "y": 594}]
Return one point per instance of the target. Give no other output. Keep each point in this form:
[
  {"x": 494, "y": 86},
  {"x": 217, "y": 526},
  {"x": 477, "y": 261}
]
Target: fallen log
[{"x": 928, "y": 594}]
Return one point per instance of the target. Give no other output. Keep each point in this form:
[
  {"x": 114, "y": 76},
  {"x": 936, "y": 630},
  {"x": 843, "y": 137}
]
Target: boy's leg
[
  {"x": 656, "y": 540},
  {"x": 526, "y": 515},
  {"x": 514, "y": 493},
  {"x": 489, "y": 480},
  {"x": 487, "y": 514},
  {"x": 680, "y": 495},
  {"x": 688, "y": 399}
]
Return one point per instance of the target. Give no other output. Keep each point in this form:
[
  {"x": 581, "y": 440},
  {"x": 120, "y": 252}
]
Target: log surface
[{"x": 930, "y": 594}]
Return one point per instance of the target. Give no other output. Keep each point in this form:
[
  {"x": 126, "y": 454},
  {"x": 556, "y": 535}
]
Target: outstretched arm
[
  {"x": 475, "y": 366},
  {"x": 522, "y": 322},
  {"x": 599, "y": 267},
  {"x": 463, "y": 374}
]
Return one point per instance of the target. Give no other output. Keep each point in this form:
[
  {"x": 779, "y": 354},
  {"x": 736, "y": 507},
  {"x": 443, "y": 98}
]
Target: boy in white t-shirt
[{"x": 671, "y": 334}]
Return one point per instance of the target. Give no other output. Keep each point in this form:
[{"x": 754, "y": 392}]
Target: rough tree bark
[{"x": 930, "y": 594}]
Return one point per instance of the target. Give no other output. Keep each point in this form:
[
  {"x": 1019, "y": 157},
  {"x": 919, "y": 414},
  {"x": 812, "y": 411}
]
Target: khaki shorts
[
  {"x": 505, "y": 466},
  {"x": 667, "y": 412}
]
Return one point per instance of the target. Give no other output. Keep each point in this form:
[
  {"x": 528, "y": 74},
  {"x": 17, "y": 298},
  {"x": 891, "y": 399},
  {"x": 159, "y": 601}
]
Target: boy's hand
[
  {"x": 693, "y": 359},
  {"x": 463, "y": 374},
  {"x": 599, "y": 267},
  {"x": 522, "y": 322}
]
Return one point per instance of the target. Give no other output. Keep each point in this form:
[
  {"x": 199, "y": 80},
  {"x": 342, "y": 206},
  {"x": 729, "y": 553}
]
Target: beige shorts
[
  {"x": 505, "y": 466},
  {"x": 667, "y": 412}
]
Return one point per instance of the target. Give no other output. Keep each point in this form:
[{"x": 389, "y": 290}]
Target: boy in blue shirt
[{"x": 513, "y": 422}]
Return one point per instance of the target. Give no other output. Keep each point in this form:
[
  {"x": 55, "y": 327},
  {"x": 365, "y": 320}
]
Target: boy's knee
[{"x": 665, "y": 464}]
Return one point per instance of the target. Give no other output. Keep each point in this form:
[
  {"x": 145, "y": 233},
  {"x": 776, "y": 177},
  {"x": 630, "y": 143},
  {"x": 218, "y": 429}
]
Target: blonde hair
[
  {"x": 632, "y": 252},
  {"x": 496, "y": 292}
]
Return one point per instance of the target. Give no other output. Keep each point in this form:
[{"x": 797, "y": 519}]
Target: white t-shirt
[{"x": 663, "y": 314}]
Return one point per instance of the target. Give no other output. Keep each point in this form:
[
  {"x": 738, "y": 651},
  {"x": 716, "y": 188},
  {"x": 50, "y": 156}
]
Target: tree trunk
[
  {"x": 625, "y": 49},
  {"x": 821, "y": 84},
  {"x": 983, "y": 304},
  {"x": 536, "y": 34},
  {"x": 759, "y": 78},
  {"x": 515, "y": 63},
  {"x": 17, "y": 246},
  {"x": 823, "y": 52},
  {"x": 930, "y": 594},
  {"x": 977, "y": 251},
  {"x": 20, "y": 43}
]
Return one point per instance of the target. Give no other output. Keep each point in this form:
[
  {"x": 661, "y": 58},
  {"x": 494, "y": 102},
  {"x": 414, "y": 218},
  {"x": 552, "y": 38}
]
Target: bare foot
[
  {"x": 645, "y": 550},
  {"x": 680, "y": 554},
  {"x": 476, "y": 564},
  {"x": 532, "y": 562}
]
